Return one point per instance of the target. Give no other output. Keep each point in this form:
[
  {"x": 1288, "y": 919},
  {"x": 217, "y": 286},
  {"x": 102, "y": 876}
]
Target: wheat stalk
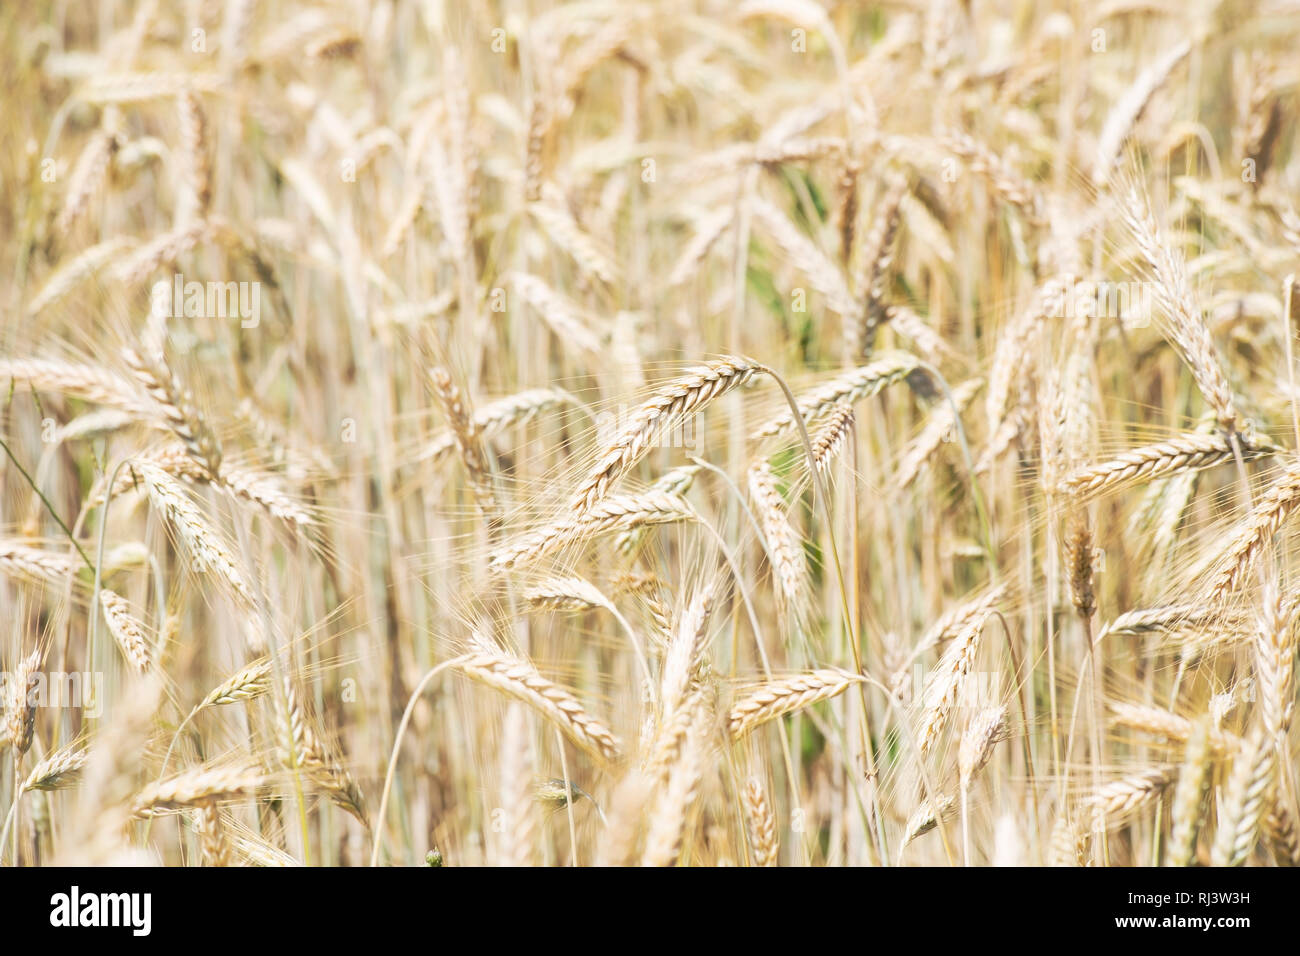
[
  {"x": 1253, "y": 533},
  {"x": 784, "y": 696},
  {"x": 193, "y": 787},
  {"x": 468, "y": 442},
  {"x": 60, "y": 769},
  {"x": 1246, "y": 800},
  {"x": 762, "y": 824},
  {"x": 1186, "y": 326},
  {"x": 202, "y": 541},
  {"x": 1128, "y": 109},
  {"x": 1187, "y": 451},
  {"x": 126, "y": 630},
  {"x": 982, "y": 734},
  {"x": 945, "y": 681},
  {"x": 784, "y": 544},
  {"x": 614, "y": 513},
  {"x": 1193, "y": 784},
  {"x": 177, "y": 406},
  {"x": 848, "y": 387},
  {"x": 686, "y": 395},
  {"x": 520, "y": 821},
  {"x": 519, "y": 679}
]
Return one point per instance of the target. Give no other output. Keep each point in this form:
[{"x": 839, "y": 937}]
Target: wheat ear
[
  {"x": 688, "y": 394},
  {"x": 762, "y": 824},
  {"x": 519, "y": 679}
]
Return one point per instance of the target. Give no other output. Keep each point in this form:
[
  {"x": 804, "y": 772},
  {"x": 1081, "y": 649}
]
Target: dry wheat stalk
[
  {"x": 1131, "y": 791},
  {"x": 710, "y": 228},
  {"x": 250, "y": 681},
  {"x": 94, "y": 424},
  {"x": 946, "y": 626},
  {"x": 1006, "y": 182},
  {"x": 1149, "y": 462},
  {"x": 20, "y": 702},
  {"x": 1275, "y": 652},
  {"x": 87, "y": 382},
  {"x": 307, "y": 752},
  {"x": 762, "y": 824},
  {"x": 253, "y": 851},
  {"x": 468, "y": 442},
  {"x": 627, "y": 813},
  {"x": 873, "y": 260},
  {"x": 177, "y": 405},
  {"x": 19, "y": 560},
  {"x": 1189, "y": 796},
  {"x": 946, "y": 679},
  {"x": 824, "y": 275},
  {"x": 938, "y": 429},
  {"x": 664, "y": 838},
  {"x": 1253, "y": 534},
  {"x": 1185, "y": 324},
  {"x": 687, "y": 648},
  {"x": 845, "y": 214},
  {"x": 829, "y": 437},
  {"x": 1128, "y": 109},
  {"x": 60, "y": 769},
  {"x": 266, "y": 491},
  {"x": 686, "y": 395},
  {"x": 676, "y": 481},
  {"x": 536, "y": 154},
  {"x": 982, "y": 734},
  {"x": 663, "y": 740},
  {"x": 137, "y": 87},
  {"x": 1246, "y": 799},
  {"x": 200, "y": 538},
  {"x": 88, "y": 175},
  {"x": 1069, "y": 843},
  {"x": 194, "y": 143},
  {"x": 167, "y": 247},
  {"x": 1015, "y": 345},
  {"x": 562, "y": 315},
  {"x": 912, "y": 326},
  {"x": 614, "y": 513},
  {"x": 1079, "y": 559},
  {"x": 1161, "y": 723},
  {"x": 214, "y": 843},
  {"x": 1172, "y": 617},
  {"x": 193, "y": 787},
  {"x": 784, "y": 544},
  {"x": 1283, "y": 836},
  {"x": 850, "y": 387},
  {"x": 519, "y": 679},
  {"x": 126, "y": 630},
  {"x": 497, "y": 415},
  {"x": 520, "y": 818},
  {"x": 71, "y": 273},
  {"x": 926, "y": 817},
  {"x": 567, "y": 593},
  {"x": 784, "y": 696},
  {"x": 258, "y": 487},
  {"x": 565, "y": 232}
]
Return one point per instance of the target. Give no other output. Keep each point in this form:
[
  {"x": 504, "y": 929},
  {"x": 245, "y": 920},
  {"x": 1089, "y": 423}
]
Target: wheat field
[{"x": 773, "y": 433}]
